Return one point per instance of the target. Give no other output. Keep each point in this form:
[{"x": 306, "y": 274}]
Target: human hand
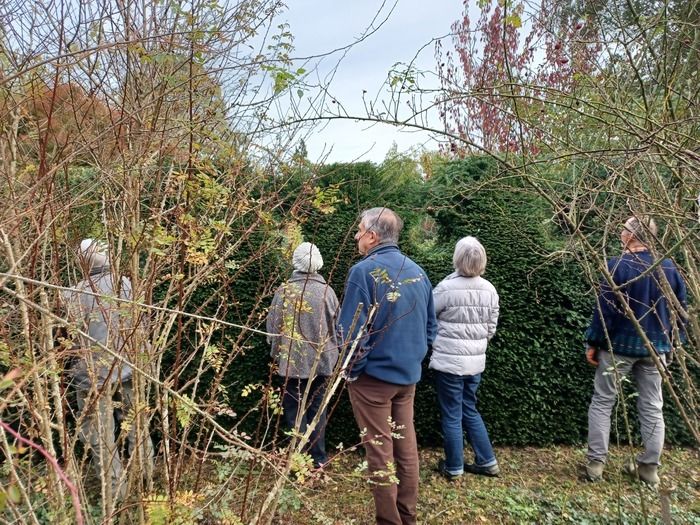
[{"x": 591, "y": 356}]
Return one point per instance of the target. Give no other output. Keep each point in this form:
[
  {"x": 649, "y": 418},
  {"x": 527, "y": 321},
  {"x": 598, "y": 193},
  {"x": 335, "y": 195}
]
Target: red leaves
[{"x": 499, "y": 64}]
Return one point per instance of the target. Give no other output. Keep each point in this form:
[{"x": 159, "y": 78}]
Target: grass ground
[{"x": 537, "y": 485}]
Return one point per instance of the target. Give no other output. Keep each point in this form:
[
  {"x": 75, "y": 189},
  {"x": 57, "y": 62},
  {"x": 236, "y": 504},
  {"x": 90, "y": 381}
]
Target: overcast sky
[{"x": 320, "y": 26}]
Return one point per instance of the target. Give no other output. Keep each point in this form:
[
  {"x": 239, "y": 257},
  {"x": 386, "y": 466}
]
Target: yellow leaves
[
  {"x": 207, "y": 189},
  {"x": 301, "y": 465},
  {"x": 161, "y": 240},
  {"x": 325, "y": 199},
  {"x": 514, "y": 20},
  {"x": 187, "y": 498},
  {"x": 204, "y": 224},
  {"x": 293, "y": 306},
  {"x": 274, "y": 402},
  {"x": 202, "y": 242},
  {"x": 265, "y": 217},
  {"x": 250, "y": 388},
  {"x": 184, "y": 410},
  {"x": 212, "y": 354},
  {"x": 393, "y": 296},
  {"x": 184, "y": 508},
  {"x": 196, "y": 258},
  {"x": 293, "y": 237},
  {"x": 380, "y": 275},
  {"x": 271, "y": 396},
  {"x": 5, "y": 354},
  {"x": 29, "y": 169},
  {"x": 128, "y": 421}
]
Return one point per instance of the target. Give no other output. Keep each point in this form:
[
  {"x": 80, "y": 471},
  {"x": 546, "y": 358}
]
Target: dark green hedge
[
  {"x": 536, "y": 388},
  {"x": 536, "y": 385}
]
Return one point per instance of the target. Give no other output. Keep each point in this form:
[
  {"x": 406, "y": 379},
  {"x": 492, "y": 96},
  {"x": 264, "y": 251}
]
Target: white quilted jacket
[{"x": 467, "y": 314}]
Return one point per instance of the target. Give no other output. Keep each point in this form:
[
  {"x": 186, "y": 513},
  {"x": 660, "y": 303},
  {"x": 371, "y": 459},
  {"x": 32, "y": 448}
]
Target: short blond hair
[{"x": 469, "y": 258}]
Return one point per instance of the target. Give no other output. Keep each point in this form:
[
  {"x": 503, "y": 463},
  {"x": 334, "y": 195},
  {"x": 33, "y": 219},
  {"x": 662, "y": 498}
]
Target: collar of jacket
[
  {"x": 301, "y": 276},
  {"x": 381, "y": 248},
  {"x": 99, "y": 270}
]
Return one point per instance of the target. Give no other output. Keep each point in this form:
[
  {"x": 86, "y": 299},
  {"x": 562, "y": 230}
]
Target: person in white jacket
[{"x": 466, "y": 306}]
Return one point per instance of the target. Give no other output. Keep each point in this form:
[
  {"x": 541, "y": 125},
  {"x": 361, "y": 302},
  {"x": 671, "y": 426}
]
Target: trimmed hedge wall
[{"x": 537, "y": 386}]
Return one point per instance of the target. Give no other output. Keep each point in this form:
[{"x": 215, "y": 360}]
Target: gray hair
[
  {"x": 384, "y": 222},
  {"x": 469, "y": 258},
  {"x": 642, "y": 228}
]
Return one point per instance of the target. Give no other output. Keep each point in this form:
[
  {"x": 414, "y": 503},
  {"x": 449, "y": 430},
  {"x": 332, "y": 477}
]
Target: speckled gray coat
[{"x": 302, "y": 327}]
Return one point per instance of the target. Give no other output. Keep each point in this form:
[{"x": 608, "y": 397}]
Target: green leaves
[
  {"x": 9, "y": 379},
  {"x": 10, "y": 494},
  {"x": 283, "y": 78},
  {"x": 283, "y": 75}
]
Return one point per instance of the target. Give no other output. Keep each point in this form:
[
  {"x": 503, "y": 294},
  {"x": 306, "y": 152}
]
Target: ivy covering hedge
[{"x": 537, "y": 386}]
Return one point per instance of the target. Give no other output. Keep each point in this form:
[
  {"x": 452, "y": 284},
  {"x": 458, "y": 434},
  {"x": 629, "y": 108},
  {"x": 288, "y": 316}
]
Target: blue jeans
[
  {"x": 294, "y": 390},
  {"x": 457, "y": 400}
]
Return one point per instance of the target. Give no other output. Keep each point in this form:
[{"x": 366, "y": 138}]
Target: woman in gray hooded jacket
[
  {"x": 302, "y": 332},
  {"x": 466, "y": 306},
  {"x": 101, "y": 368}
]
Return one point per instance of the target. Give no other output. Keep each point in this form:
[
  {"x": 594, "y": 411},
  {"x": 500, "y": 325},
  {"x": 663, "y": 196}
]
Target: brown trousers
[{"x": 392, "y": 453}]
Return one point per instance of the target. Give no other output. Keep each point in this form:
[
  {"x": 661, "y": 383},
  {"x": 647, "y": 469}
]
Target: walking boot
[
  {"x": 645, "y": 472},
  {"x": 594, "y": 470}
]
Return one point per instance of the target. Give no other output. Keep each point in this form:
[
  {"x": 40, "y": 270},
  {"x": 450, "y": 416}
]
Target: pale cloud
[{"x": 321, "y": 26}]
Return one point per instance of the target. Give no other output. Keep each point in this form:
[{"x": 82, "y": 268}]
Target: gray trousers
[
  {"x": 649, "y": 405},
  {"x": 97, "y": 431}
]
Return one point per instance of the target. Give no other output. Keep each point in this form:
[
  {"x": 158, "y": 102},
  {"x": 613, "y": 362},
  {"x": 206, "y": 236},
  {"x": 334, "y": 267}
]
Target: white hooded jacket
[{"x": 467, "y": 314}]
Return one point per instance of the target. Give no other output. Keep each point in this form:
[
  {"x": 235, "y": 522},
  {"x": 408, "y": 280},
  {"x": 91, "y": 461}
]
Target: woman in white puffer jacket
[{"x": 466, "y": 306}]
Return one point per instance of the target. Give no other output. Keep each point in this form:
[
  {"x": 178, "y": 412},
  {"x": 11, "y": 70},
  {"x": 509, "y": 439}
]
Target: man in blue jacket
[
  {"x": 654, "y": 298},
  {"x": 388, "y": 313}
]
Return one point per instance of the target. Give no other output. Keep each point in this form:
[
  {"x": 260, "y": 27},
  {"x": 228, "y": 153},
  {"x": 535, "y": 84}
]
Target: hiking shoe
[
  {"x": 645, "y": 472},
  {"x": 444, "y": 473},
  {"x": 492, "y": 471},
  {"x": 594, "y": 470}
]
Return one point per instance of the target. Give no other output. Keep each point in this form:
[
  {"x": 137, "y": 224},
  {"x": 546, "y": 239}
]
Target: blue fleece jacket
[
  {"x": 403, "y": 324},
  {"x": 646, "y": 299}
]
